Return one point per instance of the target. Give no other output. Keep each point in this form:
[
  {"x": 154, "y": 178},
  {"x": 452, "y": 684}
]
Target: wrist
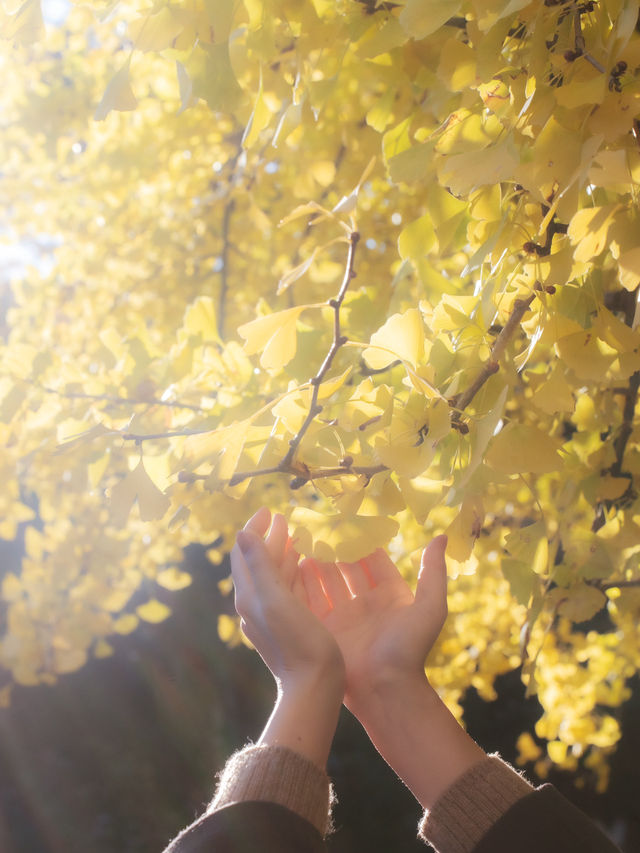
[
  {"x": 306, "y": 712},
  {"x": 323, "y": 680},
  {"x": 387, "y": 688}
]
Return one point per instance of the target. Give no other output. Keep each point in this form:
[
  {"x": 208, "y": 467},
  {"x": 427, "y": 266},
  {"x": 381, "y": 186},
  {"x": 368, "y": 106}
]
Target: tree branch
[
  {"x": 128, "y": 401},
  {"x": 491, "y": 366},
  {"x": 338, "y": 341},
  {"x": 617, "y": 584},
  {"x": 224, "y": 257},
  {"x": 152, "y": 436},
  {"x": 626, "y": 428},
  {"x": 304, "y": 474}
]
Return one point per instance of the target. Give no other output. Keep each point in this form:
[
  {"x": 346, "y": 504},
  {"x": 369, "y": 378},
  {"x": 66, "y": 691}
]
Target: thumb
[{"x": 431, "y": 590}]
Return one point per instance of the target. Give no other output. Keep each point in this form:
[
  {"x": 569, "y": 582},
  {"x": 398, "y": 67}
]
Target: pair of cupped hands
[{"x": 357, "y": 625}]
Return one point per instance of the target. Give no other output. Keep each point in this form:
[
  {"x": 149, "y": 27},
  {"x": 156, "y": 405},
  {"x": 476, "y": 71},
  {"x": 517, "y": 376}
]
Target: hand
[
  {"x": 303, "y": 657},
  {"x": 271, "y": 602},
  {"x": 383, "y": 630}
]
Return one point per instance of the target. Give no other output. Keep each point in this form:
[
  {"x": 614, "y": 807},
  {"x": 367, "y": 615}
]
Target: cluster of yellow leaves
[{"x": 184, "y": 177}]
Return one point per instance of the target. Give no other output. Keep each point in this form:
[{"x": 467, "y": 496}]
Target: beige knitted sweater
[{"x": 456, "y": 823}]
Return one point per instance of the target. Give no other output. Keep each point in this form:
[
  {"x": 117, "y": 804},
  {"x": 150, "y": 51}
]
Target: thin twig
[
  {"x": 617, "y": 584},
  {"x": 152, "y": 436},
  {"x": 108, "y": 398},
  {"x": 491, "y": 366},
  {"x": 224, "y": 259},
  {"x": 626, "y": 428},
  {"x": 338, "y": 341},
  {"x": 304, "y": 475}
]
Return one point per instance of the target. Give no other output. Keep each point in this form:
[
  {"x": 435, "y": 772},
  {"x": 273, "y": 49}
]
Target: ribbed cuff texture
[
  {"x": 468, "y": 809},
  {"x": 279, "y": 775}
]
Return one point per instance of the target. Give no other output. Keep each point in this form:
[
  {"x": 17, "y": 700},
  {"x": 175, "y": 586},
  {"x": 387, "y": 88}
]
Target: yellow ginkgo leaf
[
  {"x": 629, "y": 268},
  {"x": 126, "y": 623},
  {"x": 340, "y": 537},
  {"x": 582, "y": 602},
  {"x": 420, "y": 18},
  {"x": 69, "y": 659},
  {"x": 465, "y": 529},
  {"x": 155, "y": 32},
  {"x": 557, "y": 750},
  {"x": 610, "y": 488},
  {"x": 528, "y": 749},
  {"x": 520, "y": 449},
  {"x": 330, "y": 386},
  {"x": 417, "y": 238},
  {"x": 589, "y": 229},
  {"x": 118, "y": 95},
  {"x": 137, "y": 485},
  {"x": 554, "y": 394},
  {"x": 297, "y": 272},
  {"x": 26, "y": 25},
  {"x": 200, "y": 318},
  {"x": 222, "y": 448},
  {"x": 153, "y": 611},
  {"x": 274, "y": 335},
  {"x": 401, "y": 337},
  {"x": 173, "y": 579},
  {"x": 471, "y": 169},
  {"x": 585, "y": 354},
  {"x": 457, "y": 67},
  {"x": 258, "y": 120},
  {"x": 102, "y": 649},
  {"x": 11, "y": 587}
]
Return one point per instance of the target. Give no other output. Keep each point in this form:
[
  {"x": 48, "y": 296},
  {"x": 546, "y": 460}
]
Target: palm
[
  {"x": 373, "y": 615},
  {"x": 371, "y": 628}
]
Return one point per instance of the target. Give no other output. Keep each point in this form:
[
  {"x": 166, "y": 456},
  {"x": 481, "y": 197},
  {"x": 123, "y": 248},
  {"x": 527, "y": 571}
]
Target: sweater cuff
[
  {"x": 276, "y": 774},
  {"x": 466, "y": 811}
]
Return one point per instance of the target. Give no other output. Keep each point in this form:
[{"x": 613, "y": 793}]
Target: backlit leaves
[{"x": 156, "y": 368}]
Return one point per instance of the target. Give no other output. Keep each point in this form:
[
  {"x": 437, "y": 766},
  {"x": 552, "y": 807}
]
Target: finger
[
  {"x": 277, "y": 538},
  {"x": 357, "y": 577},
  {"x": 289, "y": 566},
  {"x": 317, "y": 599},
  {"x": 381, "y": 567},
  {"x": 334, "y": 583},
  {"x": 242, "y": 584},
  {"x": 432, "y": 581},
  {"x": 260, "y": 567},
  {"x": 299, "y": 590},
  {"x": 259, "y": 521}
]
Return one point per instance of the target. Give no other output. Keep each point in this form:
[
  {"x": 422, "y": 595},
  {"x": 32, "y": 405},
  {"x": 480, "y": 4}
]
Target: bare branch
[
  {"x": 154, "y": 436},
  {"x": 338, "y": 341},
  {"x": 618, "y": 585},
  {"x": 491, "y": 366},
  {"x": 224, "y": 258},
  {"x": 125, "y": 401}
]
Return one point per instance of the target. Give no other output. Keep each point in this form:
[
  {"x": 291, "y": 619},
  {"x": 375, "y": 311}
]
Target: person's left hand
[{"x": 271, "y": 600}]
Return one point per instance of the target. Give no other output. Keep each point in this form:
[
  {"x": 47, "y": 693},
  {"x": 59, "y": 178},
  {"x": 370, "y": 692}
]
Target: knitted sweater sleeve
[
  {"x": 492, "y": 809},
  {"x": 279, "y": 775},
  {"x": 472, "y": 805}
]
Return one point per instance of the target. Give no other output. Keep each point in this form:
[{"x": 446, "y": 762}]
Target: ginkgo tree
[{"x": 374, "y": 265}]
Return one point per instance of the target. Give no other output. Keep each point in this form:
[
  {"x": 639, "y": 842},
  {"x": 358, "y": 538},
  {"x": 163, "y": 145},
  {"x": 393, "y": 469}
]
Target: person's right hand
[{"x": 383, "y": 630}]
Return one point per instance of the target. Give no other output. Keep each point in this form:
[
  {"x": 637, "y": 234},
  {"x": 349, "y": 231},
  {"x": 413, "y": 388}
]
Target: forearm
[
  {"x": 305, "y": 716},
  {"x": 417, "y": 736},
  {"x": 287, "y": 765}
]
